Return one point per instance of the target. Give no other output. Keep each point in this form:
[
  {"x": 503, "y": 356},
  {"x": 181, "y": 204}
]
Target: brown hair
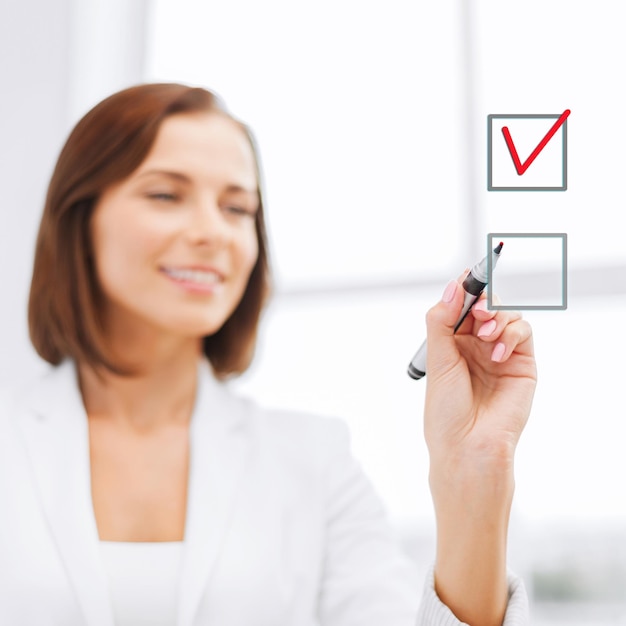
[{"x": 105, "y": 147}]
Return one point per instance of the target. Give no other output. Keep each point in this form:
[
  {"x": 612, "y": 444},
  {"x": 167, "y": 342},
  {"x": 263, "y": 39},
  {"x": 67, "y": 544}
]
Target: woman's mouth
[{"x": 203, "y": 281}]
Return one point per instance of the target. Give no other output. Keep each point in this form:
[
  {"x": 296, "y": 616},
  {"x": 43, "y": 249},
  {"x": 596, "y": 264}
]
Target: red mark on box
[{"x": 522, "y": 167}]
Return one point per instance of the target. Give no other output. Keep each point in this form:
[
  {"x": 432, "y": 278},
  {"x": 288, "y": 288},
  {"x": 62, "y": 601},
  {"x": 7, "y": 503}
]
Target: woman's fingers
[
  {"x": 442, "y": 352},
  {"x": 487, "y": 324},
  {"x": 491, "y": 329},
  {"x": 516, "y": 336},
  {"x": 480, "y": 311},
  {"x": 506, "y": 329}
]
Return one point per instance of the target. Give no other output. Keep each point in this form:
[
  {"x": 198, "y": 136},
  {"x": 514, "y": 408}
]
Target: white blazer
[{"x": 282, "y": 526}]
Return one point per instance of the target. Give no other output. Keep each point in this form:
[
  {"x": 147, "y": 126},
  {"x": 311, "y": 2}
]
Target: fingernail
[
  {"x": 498, "y": 352},
  {"x": 486, "y": 329},
  {"x": 449, "y": 291},
  {"x": 481, "y": 305}
]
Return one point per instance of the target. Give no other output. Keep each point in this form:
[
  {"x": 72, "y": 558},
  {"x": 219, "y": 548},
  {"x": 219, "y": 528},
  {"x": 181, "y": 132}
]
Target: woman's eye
[
  {"x": 163, "y": 196},
  {"x": 240, "y": 211}
]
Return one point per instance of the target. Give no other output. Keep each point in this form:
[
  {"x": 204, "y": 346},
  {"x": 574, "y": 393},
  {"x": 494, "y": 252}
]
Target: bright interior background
[
  {"x": 371, "y": 120},
  {"x": 338, "y": 106},
  {"x": 360, "y": 114}
]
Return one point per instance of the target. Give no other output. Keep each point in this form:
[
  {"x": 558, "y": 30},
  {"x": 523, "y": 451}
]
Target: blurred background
[{"x": 371, "y": 119}]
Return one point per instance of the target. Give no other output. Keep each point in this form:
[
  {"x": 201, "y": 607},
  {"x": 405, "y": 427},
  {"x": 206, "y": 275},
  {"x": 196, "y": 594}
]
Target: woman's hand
[
  {"x": 480, "y": 385},
  {"x": 480, "y": 381}
]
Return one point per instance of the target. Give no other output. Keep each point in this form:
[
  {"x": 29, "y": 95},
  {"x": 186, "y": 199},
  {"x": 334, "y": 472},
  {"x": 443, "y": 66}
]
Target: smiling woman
[
  {"x": 149, "y": 280},
  {"x": 179, "y": 226},
  {"x": 140, "y": 159}
]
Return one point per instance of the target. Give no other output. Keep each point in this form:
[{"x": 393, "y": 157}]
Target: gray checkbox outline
[
  {"x": 550, "y": 307},
  {"x": 490, "y": 118}
]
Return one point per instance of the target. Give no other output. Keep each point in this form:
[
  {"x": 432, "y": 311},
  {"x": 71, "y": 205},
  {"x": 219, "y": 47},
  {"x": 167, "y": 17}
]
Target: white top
[
  {"x": 283, "y": 527},
  {"x": 143, "y": 581}
]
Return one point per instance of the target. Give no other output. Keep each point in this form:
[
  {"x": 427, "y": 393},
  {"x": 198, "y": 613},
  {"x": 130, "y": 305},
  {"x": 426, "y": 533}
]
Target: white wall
[
  {"x": 35, "y": 52},
  {"x": 58, "y": 59}
]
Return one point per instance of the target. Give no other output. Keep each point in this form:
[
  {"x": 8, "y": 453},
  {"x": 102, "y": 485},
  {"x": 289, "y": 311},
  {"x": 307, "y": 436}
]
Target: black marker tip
[{"x": 498, "y": 249}]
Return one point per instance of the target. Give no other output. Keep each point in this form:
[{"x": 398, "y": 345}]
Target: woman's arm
[{"x": 477, "y": 403}]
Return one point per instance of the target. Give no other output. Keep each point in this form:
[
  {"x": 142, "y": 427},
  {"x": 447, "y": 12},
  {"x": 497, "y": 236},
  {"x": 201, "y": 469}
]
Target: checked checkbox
[{"x": 527, "y": 152}]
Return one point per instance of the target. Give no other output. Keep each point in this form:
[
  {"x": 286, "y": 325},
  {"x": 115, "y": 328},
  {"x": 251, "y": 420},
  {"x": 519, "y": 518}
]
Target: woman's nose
[{"x": 208, "y": 223}]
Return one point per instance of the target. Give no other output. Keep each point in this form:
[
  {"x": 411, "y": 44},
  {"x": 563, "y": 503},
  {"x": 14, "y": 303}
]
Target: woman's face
[{"x": 175, "y": 242}]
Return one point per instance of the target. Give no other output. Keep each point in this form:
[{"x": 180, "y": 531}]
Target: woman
[{"x": 138, "y": 489}]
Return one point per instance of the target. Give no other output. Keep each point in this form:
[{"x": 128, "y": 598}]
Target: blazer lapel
[
  {"x": 220, "y": 445},
  {"x": 55, "y": 430}
]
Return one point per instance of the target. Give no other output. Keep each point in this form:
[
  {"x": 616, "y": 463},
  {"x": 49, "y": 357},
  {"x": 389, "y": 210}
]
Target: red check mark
[{"x": 522, "y": 167}]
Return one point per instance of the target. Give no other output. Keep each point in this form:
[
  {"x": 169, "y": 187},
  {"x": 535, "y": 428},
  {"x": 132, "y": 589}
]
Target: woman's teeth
[{"x": 194, "y": 276}]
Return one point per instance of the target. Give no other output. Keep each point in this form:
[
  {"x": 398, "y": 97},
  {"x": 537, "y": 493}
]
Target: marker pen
[{"x": 473, "y": 285}]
